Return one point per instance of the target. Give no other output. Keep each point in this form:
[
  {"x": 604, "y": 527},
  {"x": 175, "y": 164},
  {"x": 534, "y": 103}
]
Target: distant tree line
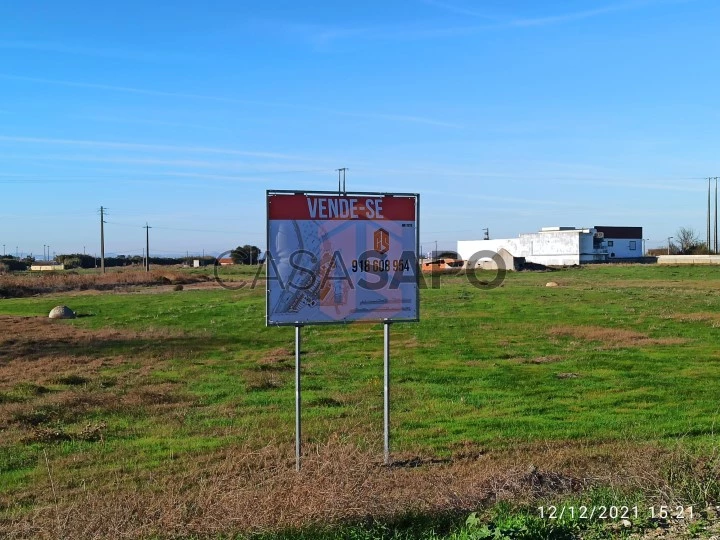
[
  {"x": 8, "y": 263},
  {"x": 246, "y": 254},
  {"x": 79, "y": 260}
]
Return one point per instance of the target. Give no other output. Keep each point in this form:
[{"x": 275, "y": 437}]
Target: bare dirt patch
[{"x": 612, "y": 338}]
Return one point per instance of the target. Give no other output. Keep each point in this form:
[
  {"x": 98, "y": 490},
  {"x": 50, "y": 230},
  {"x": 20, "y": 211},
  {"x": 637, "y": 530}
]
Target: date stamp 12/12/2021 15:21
[{"x": 616, "y": 512}]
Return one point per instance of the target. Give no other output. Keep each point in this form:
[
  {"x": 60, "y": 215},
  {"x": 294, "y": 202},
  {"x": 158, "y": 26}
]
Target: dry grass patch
[
  {"x": 538, "y": 360},
  {"x": 279, "y": 359},
  {"x": 39, "y": 349},
  {"x": 263, "y": 380},
  {"x": 612, "y": 338},
  {"x": 51, "y": 379},
  {"x": 246, "y": 490},
  {"x": 22, "y": 285},
  {"x": 710, "y": 317}
]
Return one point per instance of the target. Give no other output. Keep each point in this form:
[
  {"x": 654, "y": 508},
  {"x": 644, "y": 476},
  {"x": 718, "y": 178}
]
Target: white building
[
  {"x": 622, "y": 242},
  {"x": 552, "y": 246},
  {"x": 46, "y": 266}
]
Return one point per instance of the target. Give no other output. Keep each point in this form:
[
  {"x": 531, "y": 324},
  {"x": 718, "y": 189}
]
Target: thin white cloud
[
  {"x": 686, "y": 185},
  {"x": 130, "y": 90},
  {"x": 459, "y": 10},
  {"x": 398, "y": 117},
  {"x": 578, "y": 15},
  {"x": 140, "y": 121},
  {"x": 183, "y": 95},
  {"x": 494, "y": 198},
  {"x": 322, "y": 36},
  {"x": 145, "y": 147},
  {"x": 245, "y": 167},
  {"x": 124, "y": 53},
  {"x": 233, "y": 169}
]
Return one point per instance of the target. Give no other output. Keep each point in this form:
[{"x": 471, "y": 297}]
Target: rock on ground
[{"x": 62, "y": 312}]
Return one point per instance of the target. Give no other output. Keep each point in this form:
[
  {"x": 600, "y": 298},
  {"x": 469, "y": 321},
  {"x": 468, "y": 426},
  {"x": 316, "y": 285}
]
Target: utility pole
[
  {"x": 341, "y": 180},
  {"x": 708, "y": 216},
  {"x": 102, "y": 239},
  {"x": 715, "y": 216},
  {"x": 147, "y": 246},
  {"x": 669, "y": 238}
]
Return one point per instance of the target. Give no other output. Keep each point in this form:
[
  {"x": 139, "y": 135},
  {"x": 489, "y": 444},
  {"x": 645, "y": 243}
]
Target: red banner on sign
[{"x": 329, "y": 207}]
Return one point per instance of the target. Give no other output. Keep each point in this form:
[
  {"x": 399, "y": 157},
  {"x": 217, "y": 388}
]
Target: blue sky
[{"x": 510, "y": 115}]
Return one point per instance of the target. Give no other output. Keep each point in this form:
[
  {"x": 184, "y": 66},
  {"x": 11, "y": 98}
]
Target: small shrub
[
  {"x": 258, "y": 381},
  {"x": 47, "y": 435},
  {"x": 92, "y": 432},
  {"x": 72, "y": 380},
  {"x": 30, "y": 389}
]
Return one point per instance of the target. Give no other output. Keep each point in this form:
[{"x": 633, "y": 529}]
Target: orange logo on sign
[{"x": 382, "y": 241}]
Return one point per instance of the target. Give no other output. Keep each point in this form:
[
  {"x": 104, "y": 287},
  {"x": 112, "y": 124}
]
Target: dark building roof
[{"x": 620, "y": 232}]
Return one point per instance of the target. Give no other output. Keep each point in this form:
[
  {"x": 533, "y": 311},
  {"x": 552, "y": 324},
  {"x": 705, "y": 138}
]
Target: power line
[{"x": 183, "y": 229}]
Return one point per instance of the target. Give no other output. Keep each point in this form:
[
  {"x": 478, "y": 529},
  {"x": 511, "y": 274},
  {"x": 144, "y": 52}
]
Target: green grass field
[{"x": 148, "y": 386}]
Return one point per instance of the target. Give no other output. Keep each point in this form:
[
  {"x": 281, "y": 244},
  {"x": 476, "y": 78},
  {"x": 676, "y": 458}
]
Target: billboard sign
[{"x": 336, "y": 258}]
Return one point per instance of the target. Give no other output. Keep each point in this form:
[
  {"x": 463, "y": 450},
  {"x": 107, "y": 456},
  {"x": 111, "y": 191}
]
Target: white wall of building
[
  {"x": 624, "y": 248},
  {"x": 688, "y": 259},
  {"x": 552, "y": 246},
  {"x": 46, "y": 267}
]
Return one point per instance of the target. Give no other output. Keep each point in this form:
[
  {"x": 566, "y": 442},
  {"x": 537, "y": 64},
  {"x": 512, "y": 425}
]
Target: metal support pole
[
  {"x": 298, "y": 397},
  {"x": 386, "y": 428}
]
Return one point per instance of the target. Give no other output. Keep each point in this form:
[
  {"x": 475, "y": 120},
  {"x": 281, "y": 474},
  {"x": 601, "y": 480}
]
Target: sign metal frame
[
  {"x": 415, "y": 262},
  {"x": 386, "y": 321}
]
